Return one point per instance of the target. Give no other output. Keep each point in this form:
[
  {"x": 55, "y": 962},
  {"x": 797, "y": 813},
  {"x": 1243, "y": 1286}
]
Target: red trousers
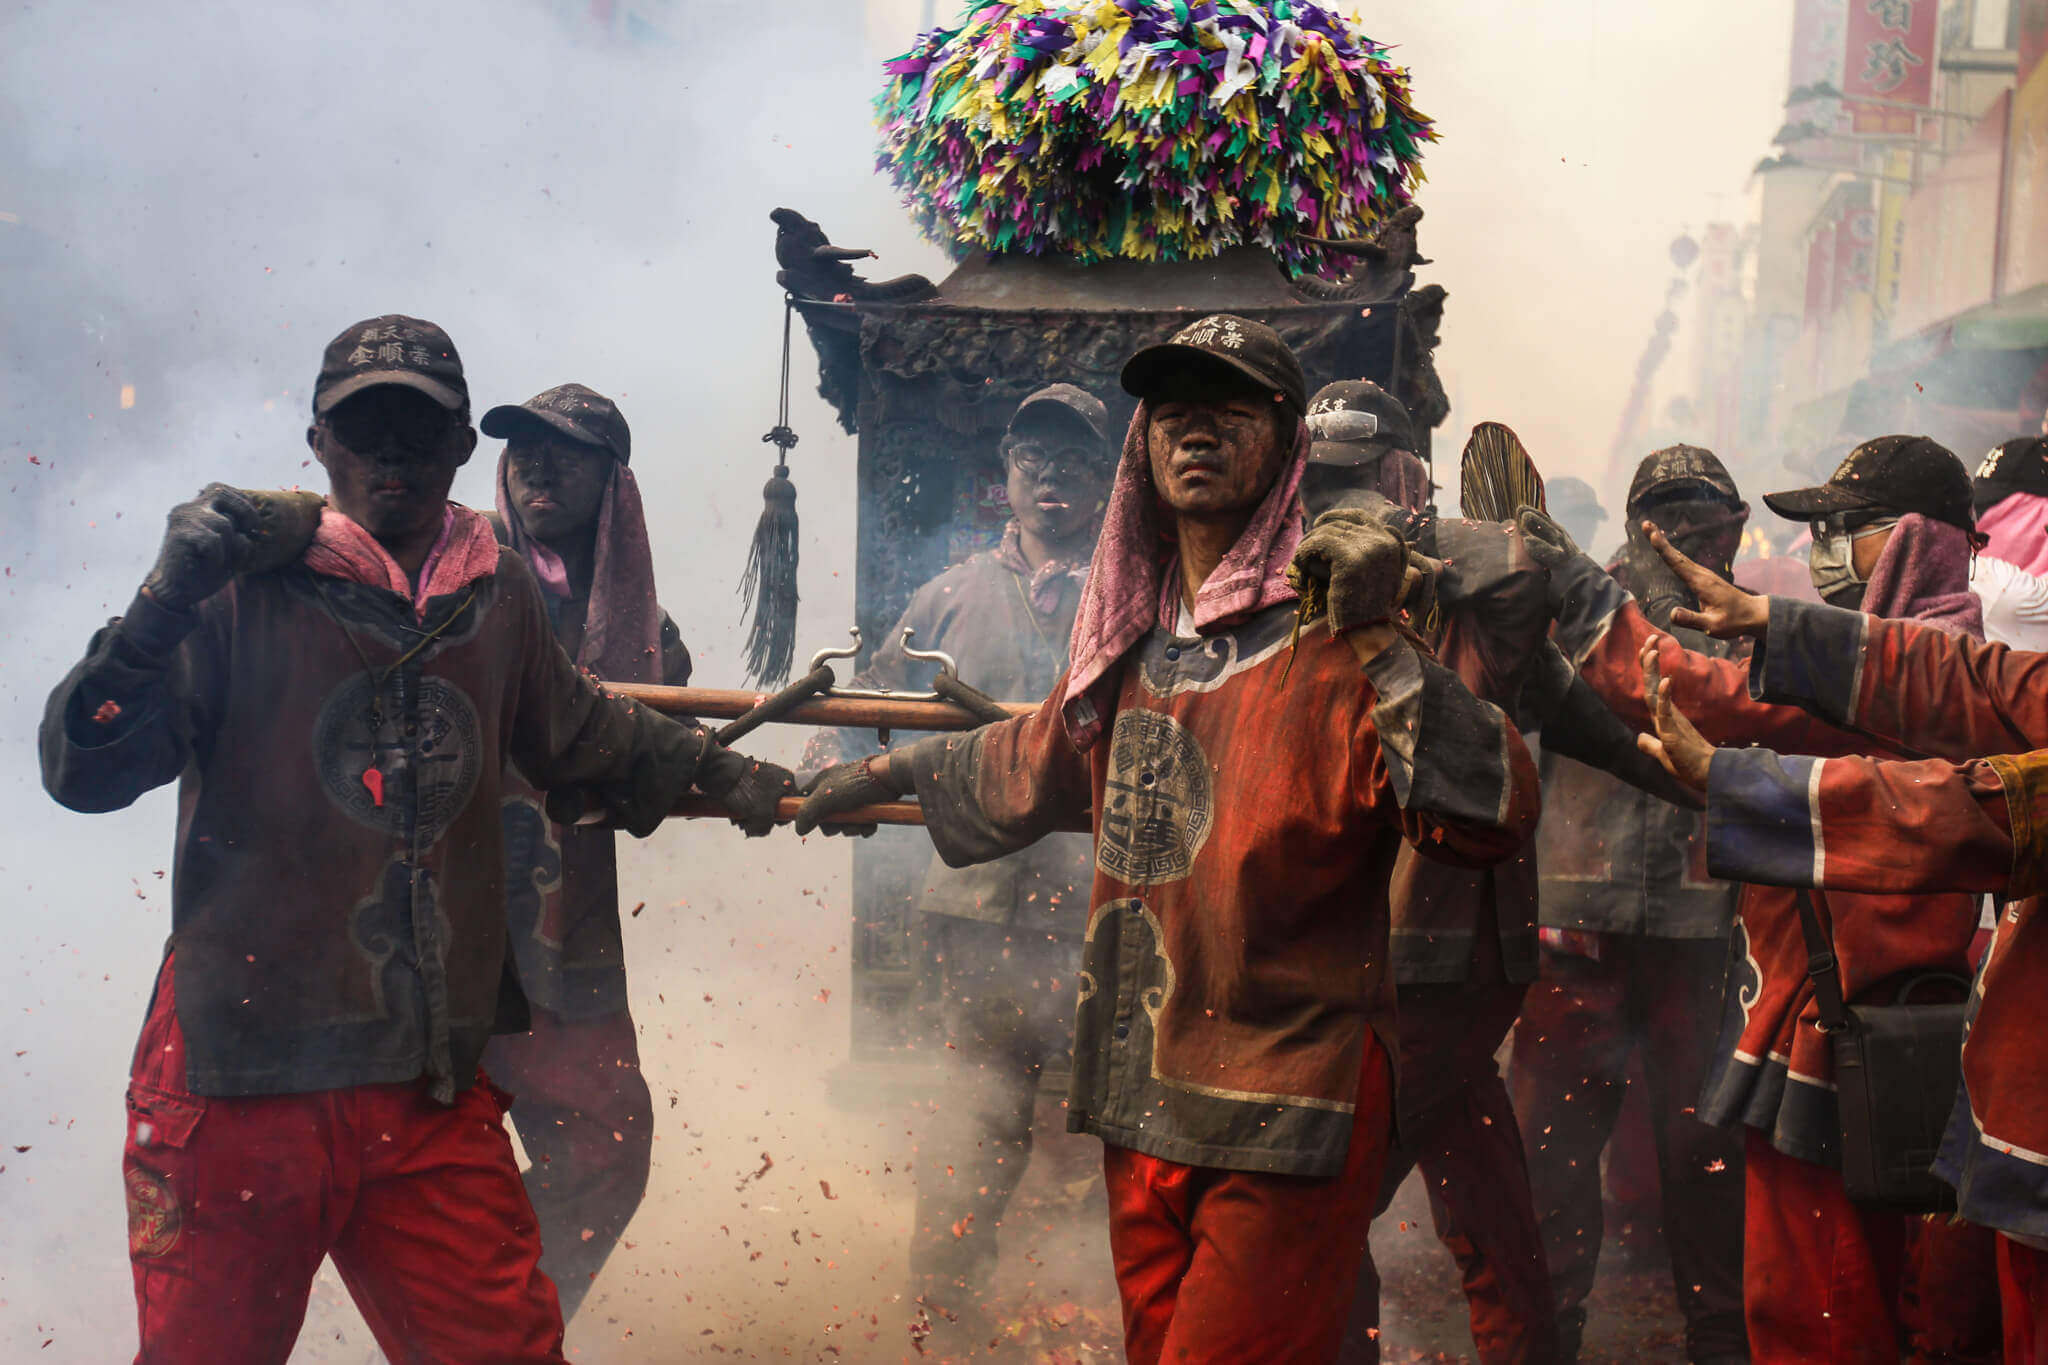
[
  {"x": 2023, "y": 1285},
  {"x": 1581, "y": 1024},
  {"x": 1223, "y": 1267},
  {"x": 232, "y": 1204},
  {"x": 1828, "y": 1282},
  {"x": 582, "y": 1109},
  {"x": 1458, "y": 1126}
]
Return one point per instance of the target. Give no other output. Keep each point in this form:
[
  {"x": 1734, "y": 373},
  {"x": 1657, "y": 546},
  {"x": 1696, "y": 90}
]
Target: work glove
[
  {"x": 1355, "y": 565},
  {"x": 204, "y": 540},
  {"x": 749, "y": 789},
  {"x": 846, "y": 787},
  {"x": 1574, "y": 574},
  {"x": 1549, "y": 543}
]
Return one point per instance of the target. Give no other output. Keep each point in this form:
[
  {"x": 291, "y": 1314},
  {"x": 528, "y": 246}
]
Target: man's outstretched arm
[
  {"x": 1602, "y": 630},
  {"x": 1863, "y": 824},
  {"x": 1902, "y": 683}
]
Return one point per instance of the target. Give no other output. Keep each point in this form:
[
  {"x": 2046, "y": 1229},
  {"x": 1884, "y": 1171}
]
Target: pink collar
[{"x": 464, "y": 552}]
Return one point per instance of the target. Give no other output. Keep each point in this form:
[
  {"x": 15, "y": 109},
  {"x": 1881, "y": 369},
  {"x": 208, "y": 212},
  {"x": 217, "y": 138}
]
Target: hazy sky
[
  {"x": 1578, "y": 138},
  {"x": 208, "y": 191}
]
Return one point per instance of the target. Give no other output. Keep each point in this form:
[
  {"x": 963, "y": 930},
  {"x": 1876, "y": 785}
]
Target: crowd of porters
[{"x": 1315, "y": 723}]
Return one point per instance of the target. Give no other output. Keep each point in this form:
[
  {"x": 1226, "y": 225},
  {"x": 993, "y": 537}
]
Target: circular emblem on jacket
[
  {"x": 369, "y": 761},
  {"x": 154, "y": 1221},
  {"x": 1158, "y": 803}
]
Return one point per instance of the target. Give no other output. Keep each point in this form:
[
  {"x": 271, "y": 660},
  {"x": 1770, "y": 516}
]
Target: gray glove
[
  {"x": 1549, "y": 543},
  {"x": 846, "y": 787},
  {"x": 1355, "y": 564},
  {"x": 1575, "y": 576},
  {"x": 749, "y": 789},
  {"x": 203, "y": 541}
]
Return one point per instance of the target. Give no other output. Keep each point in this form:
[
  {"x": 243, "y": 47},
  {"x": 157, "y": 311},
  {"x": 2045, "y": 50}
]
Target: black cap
[
  {"x": 1252, "y": 349},
  {"x": 2016, "y": 466},
  {"x": 1355, "y": 421},
  {"x": 1897, "y": 474},
  {"x": 572, "y": 410},
  {"x": 393, "y": 349},
  {"x": 1678, "y": 472},
  {"x": 1067, "y": 401}
]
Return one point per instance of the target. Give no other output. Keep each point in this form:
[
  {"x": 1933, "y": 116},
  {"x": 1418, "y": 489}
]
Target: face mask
[{"x": 1832, "y": 560}]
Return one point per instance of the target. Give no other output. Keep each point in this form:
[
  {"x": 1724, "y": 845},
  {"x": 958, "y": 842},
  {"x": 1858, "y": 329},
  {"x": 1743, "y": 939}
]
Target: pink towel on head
[
  {"x": 622, "y": 626},
  {"x": 2017, "y": 527},
  {"x": 464, "y": 552},
  {"x": 1123, "y": 599},
  {"x": 1924, "y": 575}
]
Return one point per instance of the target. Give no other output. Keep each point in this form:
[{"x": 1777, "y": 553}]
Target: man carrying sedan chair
[{"x": 1250, "y": 791}]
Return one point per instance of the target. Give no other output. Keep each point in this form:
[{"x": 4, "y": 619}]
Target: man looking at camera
[{"x": 307, "y": 1081}]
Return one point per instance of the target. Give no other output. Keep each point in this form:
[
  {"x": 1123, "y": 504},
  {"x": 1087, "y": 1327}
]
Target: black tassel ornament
[{"x": 770, "y": 579}]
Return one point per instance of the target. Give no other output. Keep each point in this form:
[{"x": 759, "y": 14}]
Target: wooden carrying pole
[
  {"x": 887, "y": 813},
  {"x": 859, "y": 713},
  {"x": 862, "y": 713},
  {"x": 884, "y": 813}
]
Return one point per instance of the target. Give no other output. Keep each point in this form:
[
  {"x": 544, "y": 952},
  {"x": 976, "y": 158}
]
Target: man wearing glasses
[{"x": 1001, "y": 942}]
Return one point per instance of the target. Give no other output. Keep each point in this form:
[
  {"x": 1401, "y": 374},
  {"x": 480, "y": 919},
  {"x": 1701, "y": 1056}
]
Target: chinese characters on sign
[{"x": 1890, "y": 57}]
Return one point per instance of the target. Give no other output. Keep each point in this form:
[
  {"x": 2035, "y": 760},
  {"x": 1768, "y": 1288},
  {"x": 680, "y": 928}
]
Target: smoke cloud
[{"x": 194, "y": 198}]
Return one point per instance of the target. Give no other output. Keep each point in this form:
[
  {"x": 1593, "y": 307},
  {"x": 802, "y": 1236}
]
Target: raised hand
[
  {"x": 1726, "y": 612},
  {"x": 204, "y": 540},
  {"x": 1678, "y": 744},
  {"x": 1549, "y": 543}
]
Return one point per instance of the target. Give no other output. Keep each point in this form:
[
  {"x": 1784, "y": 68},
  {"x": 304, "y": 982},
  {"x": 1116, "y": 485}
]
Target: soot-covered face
[
  {"x": 556, "y": 485},
  {"x": 1057, "y": 476},
  {"x": 1708, "y": 530},
  {"x": 1215, "y": 444},
  {"x": 391, "y": 454}
]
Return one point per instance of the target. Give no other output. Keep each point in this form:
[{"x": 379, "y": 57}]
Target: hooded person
[
  {"x": 1634, "y": 956},
  {"x": 1893, "y": 532},
  {"x": 1823, "y": 1279},
  {"x": 342, "y": 727},
  {"x": 568, "y": 505},
  {"x": 1248, "y": 793},
  {"x": 1001, "y": 940},
  {"x": 1464, "y": 940}
]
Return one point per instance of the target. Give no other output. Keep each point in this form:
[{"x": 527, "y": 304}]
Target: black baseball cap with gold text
[
  {"x": 1252, "y": 349},
  {"x": 394, "y": 349}
]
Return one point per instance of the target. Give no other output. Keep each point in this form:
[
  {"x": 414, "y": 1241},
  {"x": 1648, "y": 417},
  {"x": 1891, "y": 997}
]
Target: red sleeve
[
  {"x": 1001, "y": 788},
  {"x": 1714, "y": 693},
  {"x": 1446, "y": 767},
  {"x": 1950, "y": 694},
  {"x": 1882, "y": 827}
]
